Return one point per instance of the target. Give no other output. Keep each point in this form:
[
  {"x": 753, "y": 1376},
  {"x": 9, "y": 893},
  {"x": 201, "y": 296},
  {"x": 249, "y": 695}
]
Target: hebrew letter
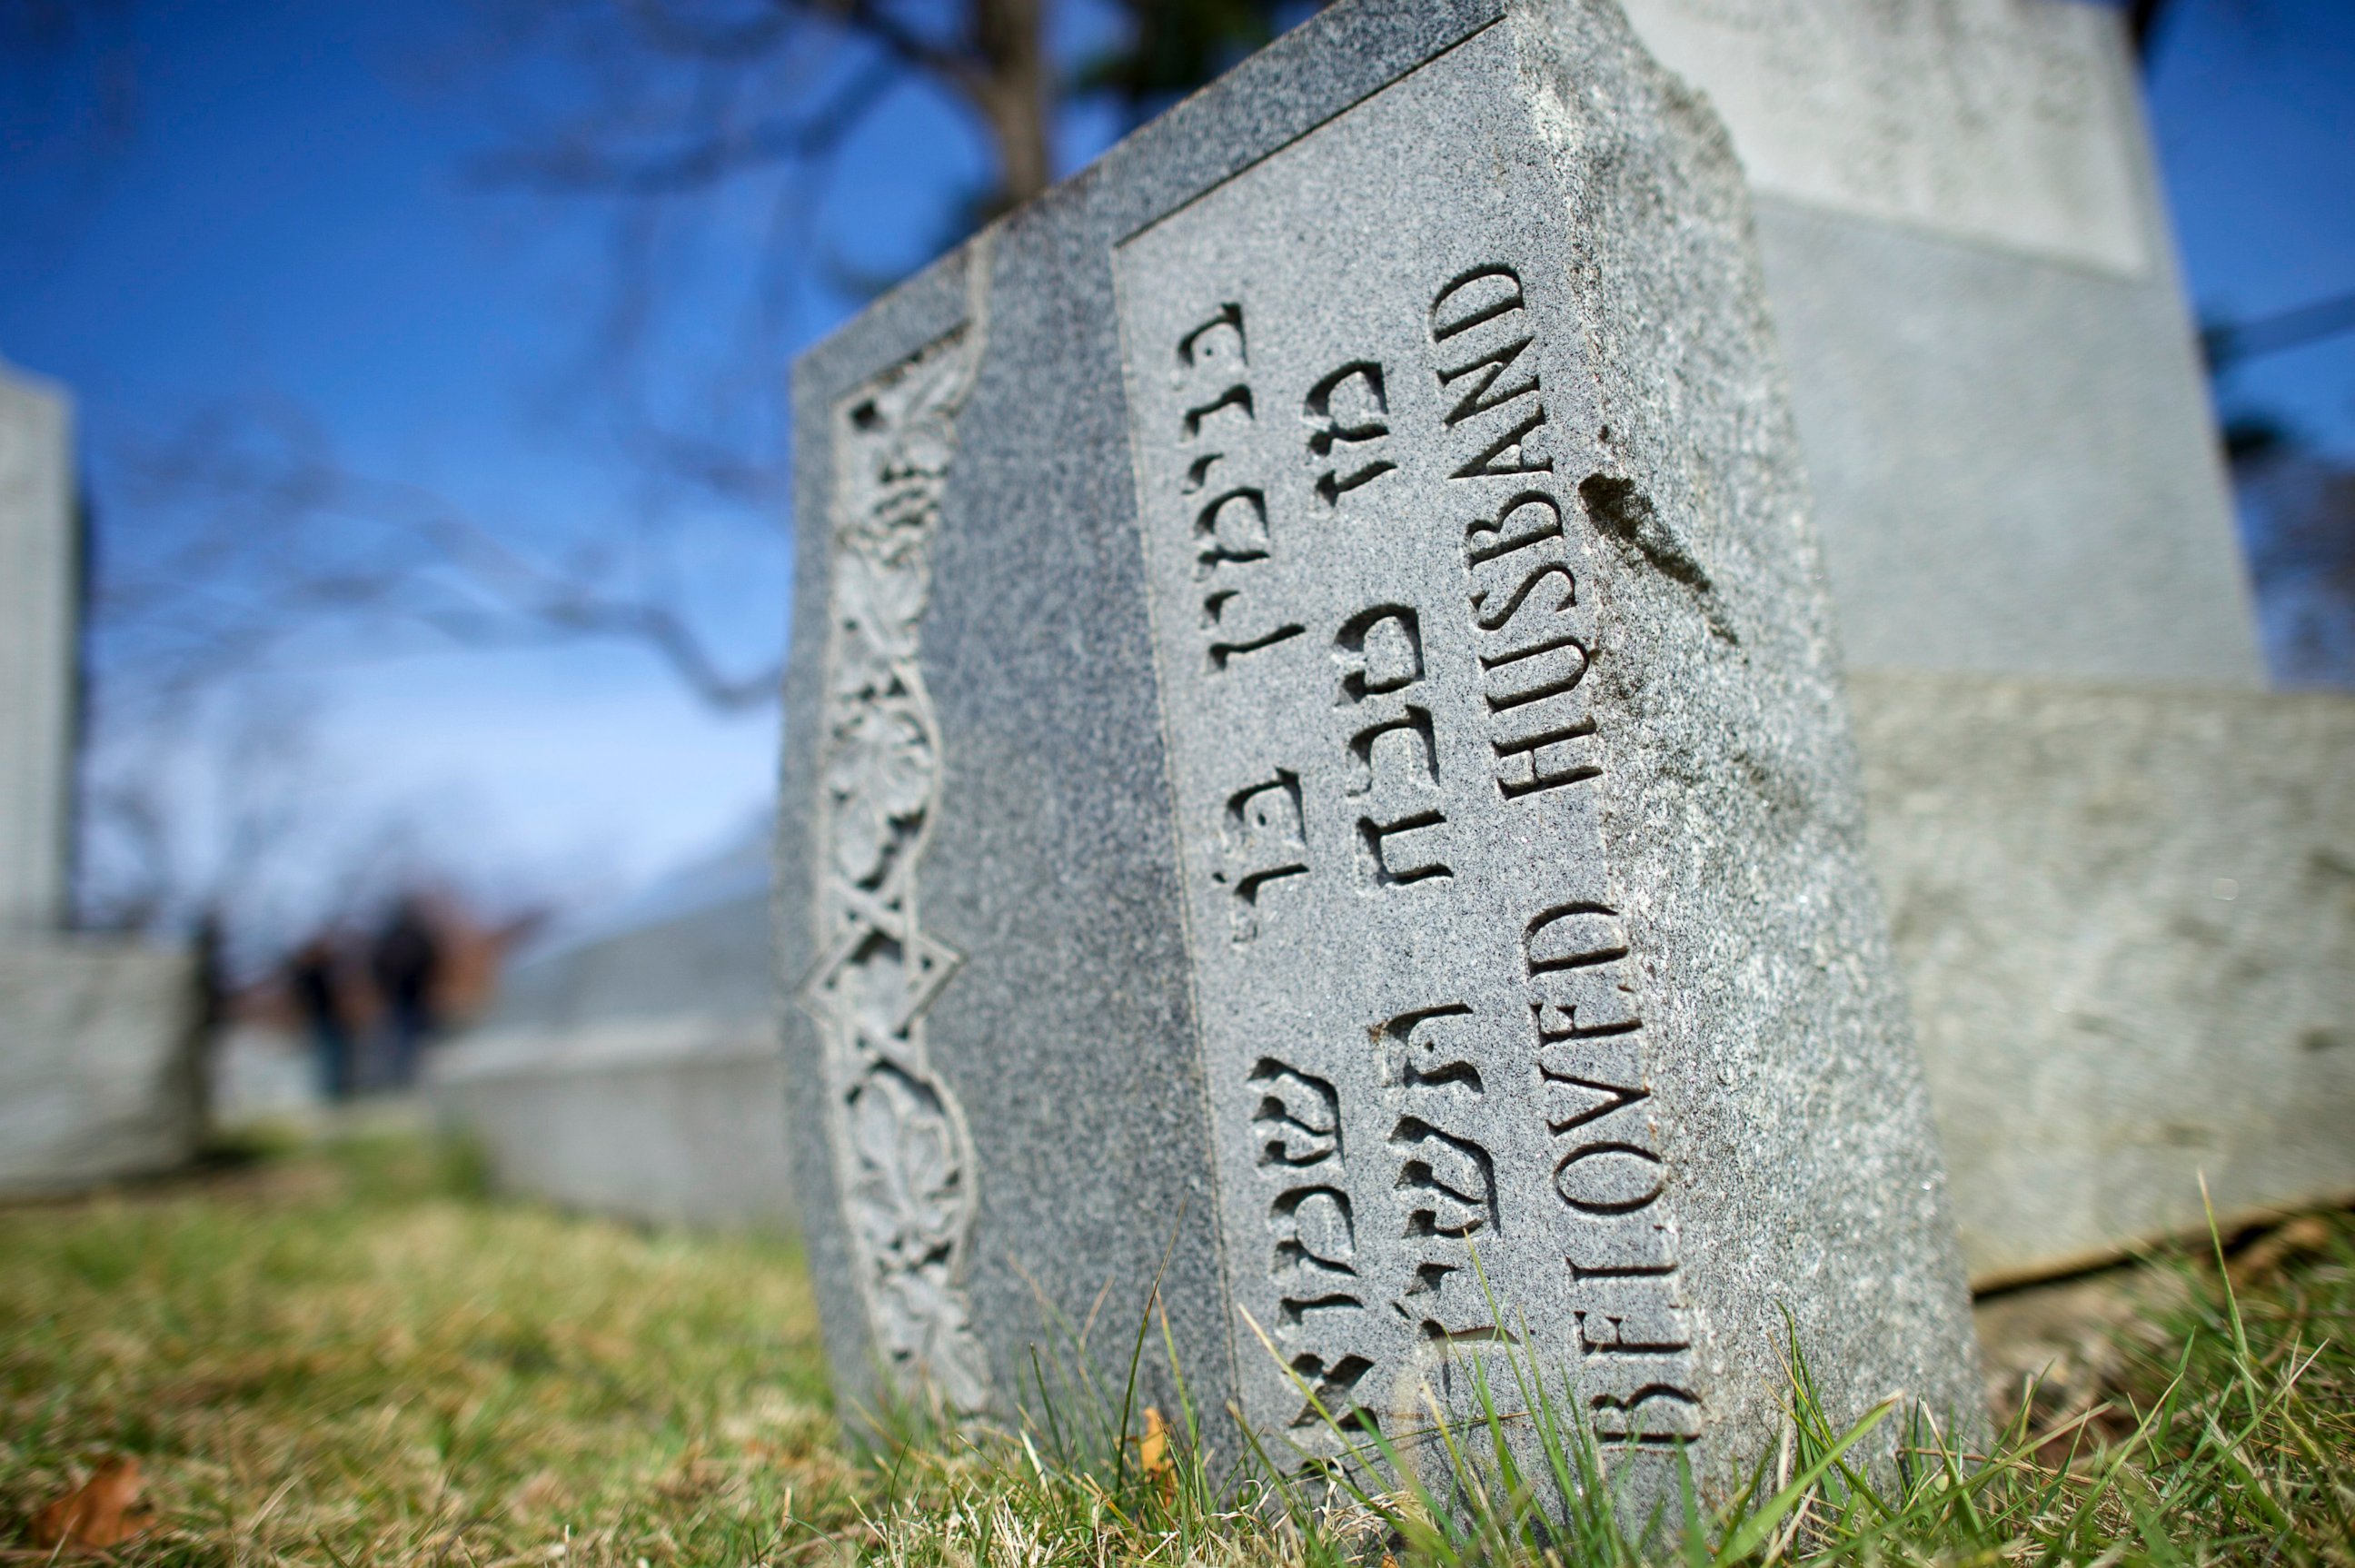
[
  {"x": 1237, "y": 397},
  {"x": 1347, "y": 406},
  {"x": 1333, "y": 1393},
  {"x": 1379, "y": 650},
  {"x": 1216, "y": 341},
  {"x": 1314, "y": 1230},
  {"x": 1425, "y": 1050},
  {"x": 1299, "y": 1115},
  {"x": 1413, "y": 753},
  {"x": 1231, "y": 527},
  {"x": 1651, "y": 1411},
  {"x": 1264, "y": 843},
  {"x": 1451, "y": 1182},
  {"x": 1236, "y": 629},
  {"x": 1393, "y": 854}
]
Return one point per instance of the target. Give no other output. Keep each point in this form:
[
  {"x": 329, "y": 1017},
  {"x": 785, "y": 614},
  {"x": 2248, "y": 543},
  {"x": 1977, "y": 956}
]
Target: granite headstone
[
  {"x": 629, "y": 1064},
  {"x": 97, "y": 1078},
  {"x": 38, "y": 573},
  {"x": 1315, "y": 755}
]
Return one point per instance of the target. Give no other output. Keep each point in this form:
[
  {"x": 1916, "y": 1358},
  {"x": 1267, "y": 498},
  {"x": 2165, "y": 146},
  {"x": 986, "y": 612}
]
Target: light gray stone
[
  {"x": 2127, "y": 921},
  {"x": 631, "y": 1065},
  {"x": 98, "y": 1080},
  {"x": 1313, "y": 753},
  {"x": 2003, "y": 122},
  {"x": 670, "y": 1120},
  {"x": 38, "y": 582},
  {"x": 1996, "y": 377},
  {"x": 98, "y": 1076}
]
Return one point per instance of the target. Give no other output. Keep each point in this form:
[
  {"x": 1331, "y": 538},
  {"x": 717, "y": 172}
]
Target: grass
[{"x": 347, "y": 1355}]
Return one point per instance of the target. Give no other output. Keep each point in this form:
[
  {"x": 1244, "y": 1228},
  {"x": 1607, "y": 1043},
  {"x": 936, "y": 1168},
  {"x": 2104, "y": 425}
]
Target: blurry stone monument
[
  {"x": 97, "y": 1071},
  {"x": 1315, "y": 750},
  {"x": 2121, "y": 877},
  {"x": 631, "y": 1062}
]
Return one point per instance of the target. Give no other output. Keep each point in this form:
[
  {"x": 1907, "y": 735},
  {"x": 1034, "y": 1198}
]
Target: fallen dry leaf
[
  {"x": 1153, "y": 1453},
  {"x": 95, "y": 1516}
]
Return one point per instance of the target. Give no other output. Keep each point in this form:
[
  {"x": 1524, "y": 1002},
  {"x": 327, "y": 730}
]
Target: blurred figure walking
[
  {"x": 407, "y": 961},
  {"x": 310, "y": 978}
]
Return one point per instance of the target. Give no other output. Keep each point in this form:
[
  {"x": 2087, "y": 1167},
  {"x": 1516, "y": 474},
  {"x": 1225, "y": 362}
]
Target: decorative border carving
[{"x": 902, "y": 1156}]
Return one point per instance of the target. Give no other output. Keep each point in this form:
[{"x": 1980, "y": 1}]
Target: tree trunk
[{"x": 1011, "y": 93}]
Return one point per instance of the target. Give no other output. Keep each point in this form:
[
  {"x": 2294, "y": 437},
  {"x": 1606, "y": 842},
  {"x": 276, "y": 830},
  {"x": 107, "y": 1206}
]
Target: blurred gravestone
[
  {"x": 37, "y": 573},
  {"x": 97, "y": 1078},
  {"x": 1312, "y": 746},
  {"x": 631, "y": 1063},
  {"x": 2046, "y": 621},
  {"x": 1998, "y": 387}
]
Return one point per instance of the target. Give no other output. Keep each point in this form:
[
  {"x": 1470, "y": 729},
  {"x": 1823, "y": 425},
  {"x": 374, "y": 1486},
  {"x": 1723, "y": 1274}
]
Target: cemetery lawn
[{"x": 346, "y": 1354}]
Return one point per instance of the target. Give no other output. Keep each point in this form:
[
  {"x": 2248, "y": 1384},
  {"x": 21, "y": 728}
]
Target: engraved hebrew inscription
[
  {"x": 900, "y": 1143},
  {"x": 1359, "y": 450}
]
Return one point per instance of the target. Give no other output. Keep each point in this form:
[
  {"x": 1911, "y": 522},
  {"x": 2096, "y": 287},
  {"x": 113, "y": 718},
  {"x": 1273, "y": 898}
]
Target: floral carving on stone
[{"x": 901, "y": 1152}]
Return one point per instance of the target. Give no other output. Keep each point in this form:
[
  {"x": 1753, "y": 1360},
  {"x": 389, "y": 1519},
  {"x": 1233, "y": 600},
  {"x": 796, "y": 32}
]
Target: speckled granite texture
[{"x": 1399, "y": 810}]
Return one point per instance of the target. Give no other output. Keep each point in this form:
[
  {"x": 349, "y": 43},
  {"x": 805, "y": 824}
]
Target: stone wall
[{"x": 670, "y": 1120}]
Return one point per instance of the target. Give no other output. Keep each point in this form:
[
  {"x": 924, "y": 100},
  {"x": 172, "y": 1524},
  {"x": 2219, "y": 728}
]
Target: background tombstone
[
  {"x": 40, "y": 577},
  {"x": 1312, "y": 747},
  {"x": 97, "y": 1074},
  {"x": 1996, "y": 383},
  {"x": 630, "y": 1064},
  {"x": 2113, "y": 866}
]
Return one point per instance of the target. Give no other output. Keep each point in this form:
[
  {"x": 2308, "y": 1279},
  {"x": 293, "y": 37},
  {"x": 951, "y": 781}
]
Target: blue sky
[
  {"x": 2252, "y": 106},
  {"x": 290, "y": 219}
]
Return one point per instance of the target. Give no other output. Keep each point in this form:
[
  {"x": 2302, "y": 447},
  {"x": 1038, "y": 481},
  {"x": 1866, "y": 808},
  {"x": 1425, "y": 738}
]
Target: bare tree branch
[
  {"x": 288, "y": 543},
  {"x": 704, "y": 161}
]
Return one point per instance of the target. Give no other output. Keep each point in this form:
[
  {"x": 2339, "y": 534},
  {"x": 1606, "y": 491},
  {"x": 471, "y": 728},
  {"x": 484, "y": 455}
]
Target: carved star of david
[{"x": 925, "y": 966}]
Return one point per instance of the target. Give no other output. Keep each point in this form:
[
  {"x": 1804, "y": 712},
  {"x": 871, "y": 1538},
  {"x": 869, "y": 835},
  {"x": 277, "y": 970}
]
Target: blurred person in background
[
  {"x": 311, "y": 981},
  {"x": 407, "y": 961}
]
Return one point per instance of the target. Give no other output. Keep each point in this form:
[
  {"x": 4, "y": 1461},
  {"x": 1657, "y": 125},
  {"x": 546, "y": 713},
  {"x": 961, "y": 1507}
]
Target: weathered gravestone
[
  {"x": 2053, "y": 658},
  {"x": 96, "y": 1075},
  {"x": 631, "y": 1063},
  {"x": 1313, "y": 745}
]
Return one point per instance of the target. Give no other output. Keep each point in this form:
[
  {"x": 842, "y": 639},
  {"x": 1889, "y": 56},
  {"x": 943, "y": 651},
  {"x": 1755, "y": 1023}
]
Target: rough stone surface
[
  {"x": 631, "y": 1066},
  {"x": 1315, "y": 831},
  {"x": 2127, "y": 919},
  {"x": 1996, "y": 376},
  {"x": 98, "y": 1079},
  {"x": 37, "y": 578}
]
